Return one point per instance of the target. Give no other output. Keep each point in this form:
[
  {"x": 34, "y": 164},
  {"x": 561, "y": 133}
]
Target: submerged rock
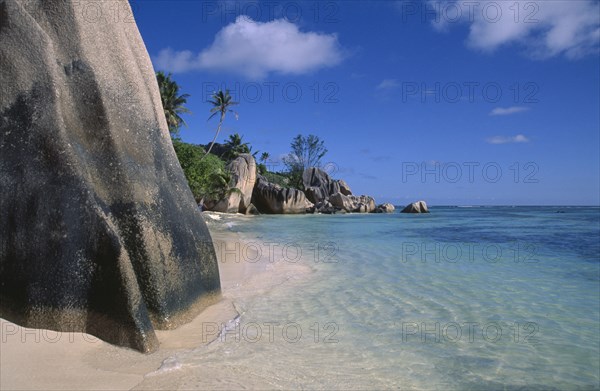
[
  {"x": 416, "y": 207},
  {"x": 99, "y": 232}
]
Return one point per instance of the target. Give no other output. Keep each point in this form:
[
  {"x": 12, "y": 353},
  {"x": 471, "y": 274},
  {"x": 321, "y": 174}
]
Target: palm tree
[
  {"x": 264, "y": 157},
  {"x": 221, "y": 184},
  {"x": 235, "y": 147},
  {"x": 173, "y": 103},
  {"x": 221, "y": 102}
]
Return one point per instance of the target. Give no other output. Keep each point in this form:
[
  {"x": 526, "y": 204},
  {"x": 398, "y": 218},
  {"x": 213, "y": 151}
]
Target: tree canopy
[{"x": 173, "y": 103}]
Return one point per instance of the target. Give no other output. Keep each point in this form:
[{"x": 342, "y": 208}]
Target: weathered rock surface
[
  {"x": 356, "y": 204},
  {"x": 252, "y": 210},
  {"x": 243, "y": 170},
  {"x": 273, "y": 199},
  {"x": 243, "y": 178},
  {"x": 341, "y": 201},
  {"x": 330, "y": 195},
  {"x": 318, "y": 186},
  {"x": 324, "y": 207},
  {"x": 385, "y": 208},
  {"x": 99, "y": 231},
  {"x": 416, "y": 207},
  {"x": 344, "y": 188}
]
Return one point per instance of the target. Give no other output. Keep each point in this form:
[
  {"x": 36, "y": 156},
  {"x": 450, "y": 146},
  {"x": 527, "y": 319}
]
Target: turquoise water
[{"x": 462, "y": 298}]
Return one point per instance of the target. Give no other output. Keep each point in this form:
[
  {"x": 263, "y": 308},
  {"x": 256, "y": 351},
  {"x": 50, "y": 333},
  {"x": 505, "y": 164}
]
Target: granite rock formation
[
  {"x": 355, "y": 204},
  {"x": 270, "y": 198},
  {"x": 416, "y": 207},
  {"x": 344, "y": 188},
  {"x": 243, "y": 178},
  {"x": 331, "y": 195},
  {"x": 99, "y": 231},
  {"x": 385, "y": 208},
  {"x": 318, "y": 186}
]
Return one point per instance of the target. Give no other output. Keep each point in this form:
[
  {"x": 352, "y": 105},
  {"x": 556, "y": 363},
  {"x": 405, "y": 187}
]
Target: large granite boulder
[
  {"x": 416, "y": 207},
  {"x": 243, "y": 178},
  {"x": 243, "y": 171},
  {"x": 318, "y": 186},
  {"x": 99, "y": 232},
  {"x": 270, "y": 198}
]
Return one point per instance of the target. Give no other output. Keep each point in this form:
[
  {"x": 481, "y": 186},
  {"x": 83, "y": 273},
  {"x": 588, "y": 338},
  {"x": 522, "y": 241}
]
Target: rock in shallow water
[
  {"x": 99, "y": 231},
  {"x": 356, "y": 204},
  {"x": 385, "y": 208},
  {"x": 416, "y": 207}
]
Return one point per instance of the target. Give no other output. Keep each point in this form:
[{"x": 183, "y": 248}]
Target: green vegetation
[
  {"x": 281, "y": 179},
  {"x": 306, "y": 152},
  {"x": 205, "y": 172},
  {"x": 222, "y": 103},
  {"x": 173, "y": 103},
  {"x": 264, "y": 157},
  {"x": 235, "y": 147},
  {"x": 208, "y": 178}
]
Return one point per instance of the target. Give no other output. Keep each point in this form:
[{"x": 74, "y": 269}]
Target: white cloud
[
  {"x": 508, "y": 110},
  {"x": 519, "y": 138},
  {"x": 544, "y": 28},
  {"x": 255, "y": 49},
  {"x": 388, "y": 84}
]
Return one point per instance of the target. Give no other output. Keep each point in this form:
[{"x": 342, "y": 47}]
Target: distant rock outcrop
[
  {"x": 416, "y": 207},
  {"x": 99, "y": 232},
  {"x": 355, "y": 204},
  {"x": 318, "y": 186},
  {"x": 344, "y": 188},
  {"x": 273, "y": 199},
  {"x": 330, "y": 195},
  {"x": 385, "y": 208}
]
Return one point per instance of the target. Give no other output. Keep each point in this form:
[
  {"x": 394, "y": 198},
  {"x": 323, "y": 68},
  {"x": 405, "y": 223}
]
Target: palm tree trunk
[{"x": 216, "y": 135}]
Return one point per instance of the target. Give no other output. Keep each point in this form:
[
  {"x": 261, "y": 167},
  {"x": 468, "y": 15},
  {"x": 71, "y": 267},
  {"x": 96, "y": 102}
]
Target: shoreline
[{"x": 50, "y": 360}]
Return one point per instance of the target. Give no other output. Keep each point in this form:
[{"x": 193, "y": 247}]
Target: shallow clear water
[{"x": 462, "y": 298}]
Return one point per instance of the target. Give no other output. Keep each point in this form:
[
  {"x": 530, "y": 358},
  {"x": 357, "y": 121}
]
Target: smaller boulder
[
  {"x": 252, "y": 210},
  {"x": 416, "y": 207},
  {"x": 367, "y": 201},
  {"x": 341, "y": 201},
  {"x": 325, "y": 207},
  {"x": 361, "y": 204},
  {"x": 385, "y": 208}
]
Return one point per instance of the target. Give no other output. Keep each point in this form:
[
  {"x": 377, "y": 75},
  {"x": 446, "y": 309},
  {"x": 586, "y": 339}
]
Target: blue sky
[{"x": 456, "y": 103}]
